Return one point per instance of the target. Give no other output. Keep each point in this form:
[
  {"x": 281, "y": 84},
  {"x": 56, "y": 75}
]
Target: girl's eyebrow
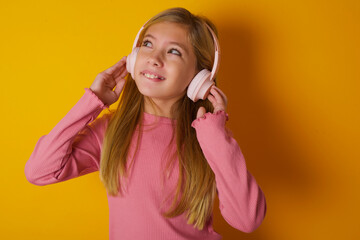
[{"x": 176, "y": 43}]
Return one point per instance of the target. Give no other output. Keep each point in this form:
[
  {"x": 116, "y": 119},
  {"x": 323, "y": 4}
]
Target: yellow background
[{"x": 289, "y": 68}]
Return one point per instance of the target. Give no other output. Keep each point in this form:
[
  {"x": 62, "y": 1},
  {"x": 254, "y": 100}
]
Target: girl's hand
[
  {"x": 105, "y": 82},
  {"x": 218, "y": 100}
]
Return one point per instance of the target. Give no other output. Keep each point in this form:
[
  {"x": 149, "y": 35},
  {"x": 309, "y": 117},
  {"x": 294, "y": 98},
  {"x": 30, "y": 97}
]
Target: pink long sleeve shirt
[{"x": 73, "y": 148}]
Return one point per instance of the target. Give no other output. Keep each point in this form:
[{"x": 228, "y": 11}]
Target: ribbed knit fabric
[{"x": 73, "y": 148}]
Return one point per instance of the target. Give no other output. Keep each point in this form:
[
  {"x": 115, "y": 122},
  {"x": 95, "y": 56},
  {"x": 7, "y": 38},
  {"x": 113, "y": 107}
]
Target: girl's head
[
  {"x": 174, "y": 46},
  {"x": 177, "y": 63}
]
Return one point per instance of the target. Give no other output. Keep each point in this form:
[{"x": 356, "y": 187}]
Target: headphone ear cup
[
  {"x": 130, "y": 61},
  {"x": 200, "y": 86}
]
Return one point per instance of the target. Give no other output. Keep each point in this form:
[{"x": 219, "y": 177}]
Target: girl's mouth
[{"x": 153, "y": 77}]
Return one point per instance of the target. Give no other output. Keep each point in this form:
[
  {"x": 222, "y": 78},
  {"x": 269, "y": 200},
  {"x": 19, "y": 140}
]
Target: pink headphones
[{"x": 200, "y": 85}]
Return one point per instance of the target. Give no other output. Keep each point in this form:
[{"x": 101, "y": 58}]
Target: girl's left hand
[{"x": 218, "y": 100}]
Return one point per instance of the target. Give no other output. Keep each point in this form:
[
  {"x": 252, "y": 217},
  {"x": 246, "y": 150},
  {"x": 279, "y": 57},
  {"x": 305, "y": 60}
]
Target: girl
[{"x": 162, "y": 156}]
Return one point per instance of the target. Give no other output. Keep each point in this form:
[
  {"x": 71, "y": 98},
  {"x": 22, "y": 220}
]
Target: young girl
[{"x": 162, "y": 156}]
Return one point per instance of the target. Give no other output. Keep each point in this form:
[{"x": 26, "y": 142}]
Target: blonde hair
[{"x": 196, "y": 188}]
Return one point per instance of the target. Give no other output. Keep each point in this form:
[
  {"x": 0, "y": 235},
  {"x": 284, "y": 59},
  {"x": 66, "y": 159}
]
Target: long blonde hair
[{"x": 196, "y": 184}]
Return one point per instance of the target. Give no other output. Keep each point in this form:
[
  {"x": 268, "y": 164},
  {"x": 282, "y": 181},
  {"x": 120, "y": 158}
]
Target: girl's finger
[
  {"x": 118, "y": 71},
  {"x": 216, "y": 94},
  {"x": 221, "y": 93},
  {"x": 212, "y": 99},
  {"x": 124, "y": 73},
  {"x": 121, "y": 75},
  {"x": 117, "y": 66},
  {"x": 119, "y": 87},
  {"x": 201, "y": 111}
]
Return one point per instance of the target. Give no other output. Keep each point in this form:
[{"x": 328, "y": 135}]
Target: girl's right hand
[{"x": 105, "y": 82}]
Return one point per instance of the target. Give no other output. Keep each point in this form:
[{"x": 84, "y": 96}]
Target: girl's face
[{"x": 165, "y": 63}]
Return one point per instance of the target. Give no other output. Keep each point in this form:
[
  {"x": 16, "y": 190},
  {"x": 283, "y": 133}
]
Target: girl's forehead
[{"x": 169, "y": 28}]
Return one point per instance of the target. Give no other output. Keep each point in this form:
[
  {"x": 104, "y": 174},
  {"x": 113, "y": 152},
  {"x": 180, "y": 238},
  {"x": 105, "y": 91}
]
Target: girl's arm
[
  {"x": 241, "y": 201},
  {"x": 72, "y": 148}
]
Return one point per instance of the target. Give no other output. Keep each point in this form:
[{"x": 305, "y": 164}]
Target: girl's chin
[
  {"x": 154, "y": 95},
  {"x": 150, "y": 94}
]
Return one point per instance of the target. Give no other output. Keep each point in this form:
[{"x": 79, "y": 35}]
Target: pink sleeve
[
  {"x": 72, "y": 148},
  {"x": 241, "y": 201}
]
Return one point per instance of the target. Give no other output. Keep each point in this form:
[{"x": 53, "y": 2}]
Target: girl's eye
[
  {"x": 176, "y": 51},
  {"x": 146, "y": 42}
]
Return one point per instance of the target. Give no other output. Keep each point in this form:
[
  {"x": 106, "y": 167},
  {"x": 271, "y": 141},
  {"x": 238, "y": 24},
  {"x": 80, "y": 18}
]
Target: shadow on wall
[{"x": 272, "y": 155}]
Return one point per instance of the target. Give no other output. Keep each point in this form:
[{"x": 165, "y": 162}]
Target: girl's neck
[{"x": 158, "y": 107}]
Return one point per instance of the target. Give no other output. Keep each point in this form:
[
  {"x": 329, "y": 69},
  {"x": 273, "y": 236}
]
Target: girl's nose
[{"x": 155, "y": 59}]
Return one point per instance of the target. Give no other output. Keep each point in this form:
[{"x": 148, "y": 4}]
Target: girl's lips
[
  {"x": 154, "y": 79},
  {"x": 153, "y": 73}
]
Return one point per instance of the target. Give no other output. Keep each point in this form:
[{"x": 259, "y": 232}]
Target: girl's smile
[{"x": 153, "y": 76}]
